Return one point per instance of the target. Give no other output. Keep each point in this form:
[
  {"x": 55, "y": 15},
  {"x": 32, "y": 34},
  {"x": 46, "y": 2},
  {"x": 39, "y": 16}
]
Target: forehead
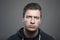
[{"x": 32, "y": 12}]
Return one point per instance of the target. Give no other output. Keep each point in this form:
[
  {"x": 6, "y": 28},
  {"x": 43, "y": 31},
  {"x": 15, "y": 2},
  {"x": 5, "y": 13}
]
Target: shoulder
[
  {"x": 45, "y": 36},
  {"x": 13, "y": 37},
  {"x": 48, "y": 37},
  {"x": 17, "y": 36}
]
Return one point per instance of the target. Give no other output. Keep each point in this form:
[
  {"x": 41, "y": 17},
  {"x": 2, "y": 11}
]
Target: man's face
[{"x": 32, "y": 19}]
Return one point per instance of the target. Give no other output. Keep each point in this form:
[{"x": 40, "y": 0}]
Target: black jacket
[{"x": 19, "y": 35}]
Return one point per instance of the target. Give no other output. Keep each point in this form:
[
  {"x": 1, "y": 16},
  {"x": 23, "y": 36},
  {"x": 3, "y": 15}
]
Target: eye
[
  {"x": 28, "y": 16},
  {"x": 36, "y": 17}
]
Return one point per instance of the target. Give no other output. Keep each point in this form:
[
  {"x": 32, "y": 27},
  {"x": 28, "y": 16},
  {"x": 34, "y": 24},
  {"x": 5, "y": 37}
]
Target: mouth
[{"x": 32, "y": 26}]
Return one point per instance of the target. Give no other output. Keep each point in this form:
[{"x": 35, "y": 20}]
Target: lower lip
[{"x": 32, "y": 27}]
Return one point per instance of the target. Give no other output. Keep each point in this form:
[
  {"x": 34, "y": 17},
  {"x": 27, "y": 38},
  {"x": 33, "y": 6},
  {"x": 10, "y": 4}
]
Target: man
[{"x": 32, "y": 18}]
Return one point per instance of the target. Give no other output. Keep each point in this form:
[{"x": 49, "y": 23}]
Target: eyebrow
[
  {"x": 29, "y": 16},
  {"x": 36, "y": 17}
]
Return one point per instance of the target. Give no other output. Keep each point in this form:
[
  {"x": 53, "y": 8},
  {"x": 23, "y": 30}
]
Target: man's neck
[{"x": 30, "y": 34}]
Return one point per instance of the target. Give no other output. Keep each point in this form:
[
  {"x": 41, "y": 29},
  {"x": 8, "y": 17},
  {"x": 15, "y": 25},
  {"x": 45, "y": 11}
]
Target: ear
[
  {"x": 40, "y": 20},
  {"x": 22, "y": 19}
]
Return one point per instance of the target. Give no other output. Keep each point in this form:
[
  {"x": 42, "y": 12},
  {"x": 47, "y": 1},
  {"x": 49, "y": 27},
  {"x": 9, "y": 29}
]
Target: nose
[{"x": 32, "y": 21}]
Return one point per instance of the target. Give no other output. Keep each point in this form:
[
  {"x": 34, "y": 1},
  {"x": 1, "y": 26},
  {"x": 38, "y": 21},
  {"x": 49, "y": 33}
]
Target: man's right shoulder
[
  {"x": 17, "y": 36},
  {"x": 14, "y": 37}
]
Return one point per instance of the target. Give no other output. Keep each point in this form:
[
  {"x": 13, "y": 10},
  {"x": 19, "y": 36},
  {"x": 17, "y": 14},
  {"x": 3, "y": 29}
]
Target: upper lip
[{"x": 32, "y": 26}]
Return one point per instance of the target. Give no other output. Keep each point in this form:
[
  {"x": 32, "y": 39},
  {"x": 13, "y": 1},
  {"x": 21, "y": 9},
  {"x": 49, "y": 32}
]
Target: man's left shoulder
[
  {"x": 49, "y": 37},
  {"x": 46, "y": 36}
]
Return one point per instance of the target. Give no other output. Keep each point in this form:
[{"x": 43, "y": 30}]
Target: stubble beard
[{"x": 30, "y": 33}]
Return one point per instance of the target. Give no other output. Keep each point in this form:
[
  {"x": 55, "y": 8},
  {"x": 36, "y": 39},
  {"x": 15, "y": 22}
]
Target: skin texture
[{"x": 32, "y": 20}]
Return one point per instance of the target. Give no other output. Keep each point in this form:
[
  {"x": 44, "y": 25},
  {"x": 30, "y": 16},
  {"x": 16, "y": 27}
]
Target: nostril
[{"x": 32, "y": 22}]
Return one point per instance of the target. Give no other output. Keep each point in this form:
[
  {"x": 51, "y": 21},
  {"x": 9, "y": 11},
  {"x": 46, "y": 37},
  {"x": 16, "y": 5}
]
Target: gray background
[{"x": 11, "y": 17}]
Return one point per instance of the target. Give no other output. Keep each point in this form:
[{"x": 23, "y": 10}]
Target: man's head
[{"x": 32, "y": 16}]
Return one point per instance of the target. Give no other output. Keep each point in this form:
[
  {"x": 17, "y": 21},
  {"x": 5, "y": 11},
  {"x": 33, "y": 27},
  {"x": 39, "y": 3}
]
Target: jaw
[{"x": 29, "y": 33}]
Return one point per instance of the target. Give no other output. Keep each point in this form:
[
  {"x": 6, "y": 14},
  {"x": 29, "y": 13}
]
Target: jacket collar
[{"x": 21, "y": 34}]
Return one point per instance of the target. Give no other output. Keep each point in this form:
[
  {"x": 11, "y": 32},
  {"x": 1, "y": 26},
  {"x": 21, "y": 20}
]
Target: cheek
[
  {"x": 38, "y": 22},
  {"x": 27, "y": 21}
]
